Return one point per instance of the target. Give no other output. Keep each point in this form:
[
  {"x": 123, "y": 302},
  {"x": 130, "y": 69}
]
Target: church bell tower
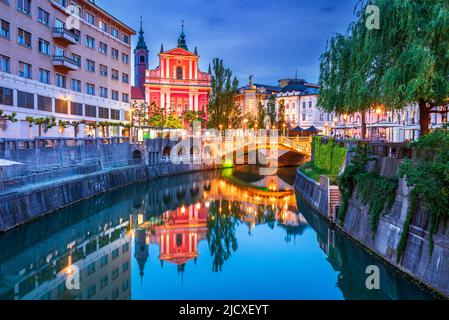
[{"x": 141, "y": 59}]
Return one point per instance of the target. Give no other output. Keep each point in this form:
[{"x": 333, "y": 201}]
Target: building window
[
  {"x": 115, "y": 95},
  {"x": 179, "y": 73},
  {"x": 4, "y": 63},
  {"x": 6, "y": 96},
  {"x": 104, "y": 282},
  {"x": 103, "y": 113},
  {"x": 90, "y": 42},
  {"x": 60, "y": 81},
  {"x": 43, "y": 17},
  {"x": 77, "y": 59},
  {"x": 304, "y": 105},
  {"x": 91, "y": 111},
  {"x": 114, "y": 32},
  {"x": 310, "y": 104},
  {"x": 62, "y": 2},
  {"x": 44, "y": 76},
  {"x": 90, "y": 65},
  {"x": 303, "y": 117},
  {"x": 25, "y": 100},
  {"x": 91, "y": 291},
  {"x": 90, "y": 89},
  {"x": 103, "y": 70},
  {"x": 115, "y": 294},
  {"x": 115, "y": 115},
  {"x": 115, "y": 274},
  {"x": 103, "y": 48},
  {"x": 125, "y": 248},
  {"x": 125, "y": 266},
  {"x": 125, "y": 285},
  {"x": 104, "y": 260},
  {"x": 44, "y": 47},
  {"x": 25, "y": 70},
  {"x": 4, "y": 29},
  {"x": 125, "y": 58},
  {"x": 142, "y": 59},
  {"x": 44, "y": 103},
  {"x": 76, "y": 108},
  {"x": 103, "y": 26},
  {"x": 24, "y": 38},
  {"x": 114, "y": 53},
  {"x": 103, "y": 92},
  {"x": 125, "y": 38},
  {"x": 24, "y": 6},
  {"x": 89, "y": 17},
  {"x": 115, "y": 252},
  {"x": 75, "y": 85},
  {"x": 114, "y": 74},
  {"x": 61, "y": 106},
  {"x": 125, "y": 97},
  {"x": 125, "y": 77}
]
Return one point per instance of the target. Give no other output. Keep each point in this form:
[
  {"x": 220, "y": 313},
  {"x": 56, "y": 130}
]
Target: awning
[
  {"x": 7, "y": 163},
  {"x": 297, "y": 129},
  {"x": 384, "y": 125},
  {"x": 312, "y": 129}
]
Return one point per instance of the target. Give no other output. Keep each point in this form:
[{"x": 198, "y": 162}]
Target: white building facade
[{"x": 71, "y": 72}]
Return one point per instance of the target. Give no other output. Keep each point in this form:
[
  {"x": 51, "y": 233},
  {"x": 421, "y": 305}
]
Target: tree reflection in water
[{"x": 221, "y": 226}]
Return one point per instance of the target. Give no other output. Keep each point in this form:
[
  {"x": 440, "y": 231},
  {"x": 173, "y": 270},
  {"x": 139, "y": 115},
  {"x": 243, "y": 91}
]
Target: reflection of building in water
[
  {"x": 103, "y": 261},
  {"x": 177, "y": 235},
  {"x": 141, "y": 249}
]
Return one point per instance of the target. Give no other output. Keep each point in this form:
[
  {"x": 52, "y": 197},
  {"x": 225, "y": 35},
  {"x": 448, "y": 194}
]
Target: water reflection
[{"x": 212, "y": 235}]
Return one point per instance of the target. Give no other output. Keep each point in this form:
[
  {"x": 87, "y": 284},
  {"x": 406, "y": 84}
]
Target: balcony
[
  {"x": 66, "y": 36},
  {"x": 65, "y": 63}
]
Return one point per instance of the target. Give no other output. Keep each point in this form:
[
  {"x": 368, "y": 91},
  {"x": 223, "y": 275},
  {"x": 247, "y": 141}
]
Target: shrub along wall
[{"x": 328, "y": 157}]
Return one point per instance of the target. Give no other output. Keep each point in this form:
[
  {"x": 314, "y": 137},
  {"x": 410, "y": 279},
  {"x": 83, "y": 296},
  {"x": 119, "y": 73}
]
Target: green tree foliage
[
  {"x": 222, "y": 221},
  {"x": 173, "y": 122},
  {"x": 281, "y": 114},
  {"x": 328, "y": 159},
  {"x": 43, "y": 123},
  {"x": 4, "y": 118},
  {"x": 222, "y": 107},
  {"x": 192, "y": 116},
  {"x": 261, "y": 117},
  {"x": 402, "y": 63},
  {"x": 427, "y": 176},
  {"x": 271, "y": 110}
]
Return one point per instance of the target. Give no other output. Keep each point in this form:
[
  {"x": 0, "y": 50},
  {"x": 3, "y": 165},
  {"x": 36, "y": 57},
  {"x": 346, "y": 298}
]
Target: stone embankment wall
[
  {"x": 19, "y": 208},
  {"x": 433, "y": 271},
  {"x": 56, "y": 173}
]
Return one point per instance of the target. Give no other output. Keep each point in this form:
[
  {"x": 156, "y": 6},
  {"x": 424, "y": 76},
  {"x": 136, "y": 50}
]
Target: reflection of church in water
[{"x": 177, "y": 235}]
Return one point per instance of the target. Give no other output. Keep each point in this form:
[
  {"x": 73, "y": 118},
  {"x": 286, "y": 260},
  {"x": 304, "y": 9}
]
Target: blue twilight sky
[{"x": 269, "y": 39}]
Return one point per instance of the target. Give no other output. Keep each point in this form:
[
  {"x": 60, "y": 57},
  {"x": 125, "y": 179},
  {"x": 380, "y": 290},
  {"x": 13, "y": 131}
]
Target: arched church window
[
  {"x": 142, "y": 59},
  {"x": 179, "y": 73}
]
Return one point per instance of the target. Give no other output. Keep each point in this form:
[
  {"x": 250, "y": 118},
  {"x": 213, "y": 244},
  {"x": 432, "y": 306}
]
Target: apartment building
[
  {"x": 300, "y": 101},
  {"x": 71, "y": 66}
]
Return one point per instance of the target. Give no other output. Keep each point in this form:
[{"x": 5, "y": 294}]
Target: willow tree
[
  {"x": 411, "y": 53},
  {"x": 222, "y": 108},
  {"x": 345, "y": 82},
  {"x": 402, "y": 63}
]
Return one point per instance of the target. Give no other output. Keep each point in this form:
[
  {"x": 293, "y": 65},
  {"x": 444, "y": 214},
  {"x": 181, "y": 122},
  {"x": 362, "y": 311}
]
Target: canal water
[{"x": 229, "y": 234}]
